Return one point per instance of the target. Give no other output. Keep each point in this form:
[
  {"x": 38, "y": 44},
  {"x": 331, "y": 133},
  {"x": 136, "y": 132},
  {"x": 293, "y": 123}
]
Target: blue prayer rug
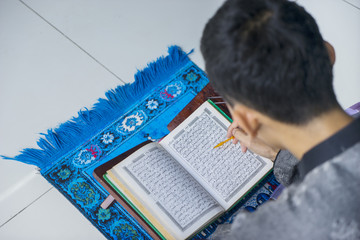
[{"x": 129, "y": 115}]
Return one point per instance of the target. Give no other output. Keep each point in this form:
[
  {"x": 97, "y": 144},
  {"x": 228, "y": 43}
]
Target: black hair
[{"x": 269, "y": 55}]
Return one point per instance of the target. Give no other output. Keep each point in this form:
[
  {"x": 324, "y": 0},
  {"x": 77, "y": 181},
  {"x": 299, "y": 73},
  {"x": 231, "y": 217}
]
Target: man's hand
[{"x": 254, "y": 144}]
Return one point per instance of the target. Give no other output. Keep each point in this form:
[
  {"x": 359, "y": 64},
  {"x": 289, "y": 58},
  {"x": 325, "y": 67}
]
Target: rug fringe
[{"x": 57, "y": 142}]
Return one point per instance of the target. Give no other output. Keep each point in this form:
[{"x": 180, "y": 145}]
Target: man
[{"x": 269, "y": 61}]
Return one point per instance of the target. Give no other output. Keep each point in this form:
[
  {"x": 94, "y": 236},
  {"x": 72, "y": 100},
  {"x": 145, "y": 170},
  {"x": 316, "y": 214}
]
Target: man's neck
[{"x": 300, "y": 139}]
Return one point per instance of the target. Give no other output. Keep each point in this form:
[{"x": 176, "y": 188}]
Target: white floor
[{"x": 57, "y": 57}]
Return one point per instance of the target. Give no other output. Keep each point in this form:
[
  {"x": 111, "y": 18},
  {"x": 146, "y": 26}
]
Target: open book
[{"x": 183, "y": 183}]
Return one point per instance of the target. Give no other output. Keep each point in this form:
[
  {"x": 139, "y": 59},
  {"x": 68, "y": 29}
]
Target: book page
[
  {"x": 227, "y": 171},
  {"x": 170, "y": 193}
]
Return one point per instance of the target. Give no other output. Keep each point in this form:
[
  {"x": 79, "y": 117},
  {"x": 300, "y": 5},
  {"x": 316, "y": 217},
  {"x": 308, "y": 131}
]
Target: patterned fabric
[{"x": 146, "y": 118}]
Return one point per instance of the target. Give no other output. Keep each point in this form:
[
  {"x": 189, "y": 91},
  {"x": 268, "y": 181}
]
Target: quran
[{"x": 182, "y": 183}]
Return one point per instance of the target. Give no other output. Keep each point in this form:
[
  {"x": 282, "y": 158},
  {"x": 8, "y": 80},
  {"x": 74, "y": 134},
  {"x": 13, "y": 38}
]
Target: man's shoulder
[
  {"x": 349, "y": 160},
  {"x": 339, "y": 167},
  {"x": 332, "y": 185}
]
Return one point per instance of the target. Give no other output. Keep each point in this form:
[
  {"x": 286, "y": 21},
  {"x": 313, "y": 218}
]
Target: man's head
[{"x": 269, "y": 56}]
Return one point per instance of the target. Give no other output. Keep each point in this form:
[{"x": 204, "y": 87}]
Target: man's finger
[
  {"x": 230, "y": 129},
  {"x": 244, "y": 139},
  {"x": 243, "y": 148},
  {"x": 239, "y": 133}
]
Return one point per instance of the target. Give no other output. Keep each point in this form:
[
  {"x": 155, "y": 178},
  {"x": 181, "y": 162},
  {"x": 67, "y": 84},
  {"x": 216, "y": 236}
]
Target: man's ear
[
  {"x": 331, "y": 52},
  {"x": 247, "y": 119}
]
